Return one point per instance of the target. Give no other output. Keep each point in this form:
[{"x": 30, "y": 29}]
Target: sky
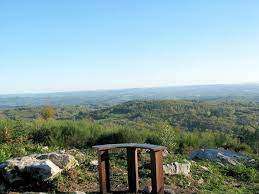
[{"x": 70, "y": 45}]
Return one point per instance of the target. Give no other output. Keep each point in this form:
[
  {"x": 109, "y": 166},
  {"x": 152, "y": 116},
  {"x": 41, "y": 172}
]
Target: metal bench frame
[{"x": 157, "y": 174}]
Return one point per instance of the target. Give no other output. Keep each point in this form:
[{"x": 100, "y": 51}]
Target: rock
[
  {"x": 252, "y": 161},
  {"x": 227, "y": 159},
  {"x": 35, "y": 167},
  {"x": 42, "y": 170},
  {"x": 45, "y": 148},
  {"x": 33, "y": 193},
  {"x": 62, "y": 160},
  {"x": 79, "y": 156},
  {"x": 94, "y": 162},
  {"x": 93, "y": 165},
  {"x": 200, "y": 181},
  {"x": 147, "y": 190},
  {"x": 204, "y": 168},
  {"x": 165, "y": 153},
  {"x": 177, "y": 168},
  {"x": 219, "y": 155},
  {"x": 169, "y": 191}
]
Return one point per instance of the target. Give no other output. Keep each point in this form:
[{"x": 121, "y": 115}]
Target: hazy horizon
[
  {"x": 131, "y": 88},
  {"x": 50, "y": 46}
]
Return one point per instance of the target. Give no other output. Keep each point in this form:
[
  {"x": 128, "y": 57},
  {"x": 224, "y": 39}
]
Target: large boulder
[
  {"x": 177, "y": 168},
  {"x": 42, "y": 170},
  {"x": 35, "y": 167},
  {"x": 219, "y": 155},
  {"x": 62, "y": 160}
]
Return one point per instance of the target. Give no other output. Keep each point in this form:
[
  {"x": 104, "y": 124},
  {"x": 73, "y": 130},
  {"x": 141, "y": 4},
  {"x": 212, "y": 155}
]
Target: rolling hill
[{"x": 94, "y": 99}]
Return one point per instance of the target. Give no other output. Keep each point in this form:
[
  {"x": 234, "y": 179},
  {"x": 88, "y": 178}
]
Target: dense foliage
[{"x": 241, "y": 120}]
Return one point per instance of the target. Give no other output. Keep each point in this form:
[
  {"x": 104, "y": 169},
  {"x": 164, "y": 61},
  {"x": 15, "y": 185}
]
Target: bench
[{"x": 157, "y": 175}]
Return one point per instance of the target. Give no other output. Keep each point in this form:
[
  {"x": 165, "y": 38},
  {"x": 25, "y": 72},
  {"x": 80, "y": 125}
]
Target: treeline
[{"x": 238, "y": 120}]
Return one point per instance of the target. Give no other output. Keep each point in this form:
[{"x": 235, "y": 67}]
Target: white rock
[
  {"x": 165, "y": 153},
  {"x": 177, "y": 168},
  {"x": 62, "y": 160},
  {"x": 204, "y": 168},
  {"x": 40, "y": 167},
  {"x": 200, "y": 181},
  {"x": 94, "y": 165},
  {"x": 20, "y": 163},
  {"x": 94, "y": 162}
]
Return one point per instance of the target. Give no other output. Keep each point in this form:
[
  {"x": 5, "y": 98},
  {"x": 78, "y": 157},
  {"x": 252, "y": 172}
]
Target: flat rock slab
[{"x": 219, "y": 155}]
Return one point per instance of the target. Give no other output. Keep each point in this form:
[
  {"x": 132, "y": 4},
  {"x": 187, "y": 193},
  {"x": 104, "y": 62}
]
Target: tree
[
  {"x": 48, "y": 112},
  {"x": 167, "y": 135}
]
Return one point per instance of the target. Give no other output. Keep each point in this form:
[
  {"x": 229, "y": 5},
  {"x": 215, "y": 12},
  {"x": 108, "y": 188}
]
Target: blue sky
[{"x": 66, "y": 45}]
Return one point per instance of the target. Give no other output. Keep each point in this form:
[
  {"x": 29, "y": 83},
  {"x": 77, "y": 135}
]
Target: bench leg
[
  {"x": 104, "y": 173},
  {"x": 132, "y": 157},
  {"x": 157, "y": 173}
]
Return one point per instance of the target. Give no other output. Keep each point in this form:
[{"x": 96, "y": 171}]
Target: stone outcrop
[
  {"x": 35, "y": 167},
  {"x": 219, "y": 155}
]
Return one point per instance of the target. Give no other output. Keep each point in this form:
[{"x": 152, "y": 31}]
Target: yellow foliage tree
[{"x": 47, "y": 112}]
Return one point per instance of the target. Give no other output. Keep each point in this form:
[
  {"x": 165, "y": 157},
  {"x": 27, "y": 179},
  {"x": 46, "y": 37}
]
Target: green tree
[{"x": 167, "y": 135}]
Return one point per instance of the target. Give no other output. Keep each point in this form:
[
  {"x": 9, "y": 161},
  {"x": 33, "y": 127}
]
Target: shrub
[
  {"x": 241, "y": 172},
  {"x": 5, "y": 153},
  {"x": 5, "y": 131},
  {"x": 42, "y": 136},
  {"x": 84, "y": 134},
  {"x": 154, "y": 139},
  {"x": 14, "y": 131},
  {"x": 210, "y": 139},
  {"x": 124, "y": 135}
]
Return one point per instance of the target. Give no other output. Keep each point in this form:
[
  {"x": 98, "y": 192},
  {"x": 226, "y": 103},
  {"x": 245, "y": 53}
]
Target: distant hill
[
  {"x": 187, "y": 115},
  {"x": 99, "y": 98}
]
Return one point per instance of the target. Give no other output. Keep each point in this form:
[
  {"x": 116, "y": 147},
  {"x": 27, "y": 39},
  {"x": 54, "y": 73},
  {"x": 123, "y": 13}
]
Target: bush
[
  {"x": 241, "y": 172},
  {"x": 5, "y": 153},
  {"x": 210, "y": 139},
  {"x": 84, "y": 134},
  {"x": 154, "y": 139},
  {"x": 42, "y": 136},
  {"x": 124, "y": 135},
  {"x": 14, "y": 131},
  {"x": 61, "y": 133}
]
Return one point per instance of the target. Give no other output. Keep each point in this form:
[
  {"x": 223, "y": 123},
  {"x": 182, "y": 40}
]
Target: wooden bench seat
[
  {"x": 157, "y": 174},
  {"x": 130, "y": 145}
]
